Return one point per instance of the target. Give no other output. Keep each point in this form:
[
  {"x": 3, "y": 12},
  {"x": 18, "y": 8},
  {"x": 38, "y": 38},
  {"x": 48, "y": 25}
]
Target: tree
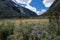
[{"x": 54, "y": 18}]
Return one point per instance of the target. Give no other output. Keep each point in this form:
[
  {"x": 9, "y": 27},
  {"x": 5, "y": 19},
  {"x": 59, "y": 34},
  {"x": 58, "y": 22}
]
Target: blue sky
[{"x": 38, "y": 6}]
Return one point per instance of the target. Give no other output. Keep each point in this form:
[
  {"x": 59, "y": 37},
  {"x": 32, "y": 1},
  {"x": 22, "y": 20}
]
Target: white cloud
[
  {"x": 31, "y": 8},
  {"x": 48, "y": 3},
  {"x": 27, "y": 2},
  {"x": 41, "y": 11},
  {"x": 35, "y": 10},
  {"x": 23, "y": 1}
]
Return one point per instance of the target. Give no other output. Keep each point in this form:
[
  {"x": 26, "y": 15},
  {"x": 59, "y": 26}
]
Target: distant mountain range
[{"x": 9, "y": 9}]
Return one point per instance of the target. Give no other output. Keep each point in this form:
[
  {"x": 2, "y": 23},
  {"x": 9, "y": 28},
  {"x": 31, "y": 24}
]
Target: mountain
[
  {"x": 55, "y": 7},
  {"x": 9, "y": 9}
]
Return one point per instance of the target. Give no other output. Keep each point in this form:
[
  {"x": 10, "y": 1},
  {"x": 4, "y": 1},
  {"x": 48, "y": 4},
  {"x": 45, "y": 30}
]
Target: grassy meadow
[
  {"x": 24, "y": 21},
  {"x": 27, "y": 29}
]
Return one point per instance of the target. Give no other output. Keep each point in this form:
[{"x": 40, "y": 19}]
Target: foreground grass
[{"x": 30, "y": 30}]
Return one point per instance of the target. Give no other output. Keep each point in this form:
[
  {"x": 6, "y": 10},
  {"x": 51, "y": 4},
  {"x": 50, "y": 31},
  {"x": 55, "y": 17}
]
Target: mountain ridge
[{"x": 9, "y": 9}]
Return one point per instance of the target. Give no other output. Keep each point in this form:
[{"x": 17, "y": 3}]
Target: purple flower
[
  {"x": 38, "y": 32},
  {"x": 29, "y": 32}
]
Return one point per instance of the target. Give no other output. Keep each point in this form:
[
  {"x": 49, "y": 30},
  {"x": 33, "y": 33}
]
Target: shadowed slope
[{"x": 8, "y": 9}]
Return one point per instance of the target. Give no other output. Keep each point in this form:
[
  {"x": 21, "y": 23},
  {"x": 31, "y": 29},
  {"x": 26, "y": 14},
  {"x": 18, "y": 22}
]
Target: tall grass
[
  {"x": 30, "y": 32},
  {"x": 6, "y": 30},
  {"x": 7, "y": 26}
]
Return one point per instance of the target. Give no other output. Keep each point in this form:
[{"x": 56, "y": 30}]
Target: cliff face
[{"x": 8, "y": 9}]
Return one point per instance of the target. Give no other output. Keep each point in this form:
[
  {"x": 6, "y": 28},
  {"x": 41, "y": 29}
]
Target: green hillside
[{"x": 55, "y": 7}]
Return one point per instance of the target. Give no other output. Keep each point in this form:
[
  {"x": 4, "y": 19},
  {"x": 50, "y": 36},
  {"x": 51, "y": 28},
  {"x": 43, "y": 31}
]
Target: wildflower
[
  {"x": 29, "y": 32},
  {"x": 38, "y": 32}
]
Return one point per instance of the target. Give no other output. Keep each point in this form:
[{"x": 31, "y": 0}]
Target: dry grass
[
  {"x": 18, "y": 22},
  {"x": 35, "y": 21},
  {"x": 24, "y": 21}
]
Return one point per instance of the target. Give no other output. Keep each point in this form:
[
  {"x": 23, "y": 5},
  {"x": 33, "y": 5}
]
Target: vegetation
[
  {"x": 6, "y": 30},
  {"x": 29, "y": 32},
  {"x": 17, "y": 30},
  {"x": 54, "y": 14}
]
